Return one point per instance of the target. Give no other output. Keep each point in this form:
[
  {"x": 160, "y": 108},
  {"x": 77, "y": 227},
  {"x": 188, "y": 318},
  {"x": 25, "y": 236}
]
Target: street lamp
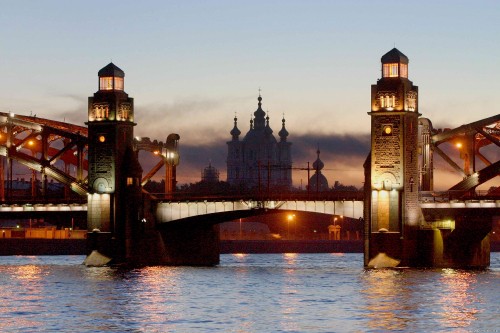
[
  {"x": 335, "y": 229},
  {"x": 171, "y": 155},
  {"x": 289, "y": 219}
]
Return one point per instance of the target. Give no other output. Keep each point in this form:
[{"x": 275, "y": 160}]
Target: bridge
[
  {"x": 59, "y": 151},
  {"x": 101, "y": 163}
]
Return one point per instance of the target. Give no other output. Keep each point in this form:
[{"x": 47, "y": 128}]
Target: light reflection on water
[
  {"x": 246, "y": 293},
  {"x": 458, "y": 299}
]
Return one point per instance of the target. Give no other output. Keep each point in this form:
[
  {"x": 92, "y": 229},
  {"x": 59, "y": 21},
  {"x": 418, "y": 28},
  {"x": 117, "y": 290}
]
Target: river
[{"x": 246, "y": 293}]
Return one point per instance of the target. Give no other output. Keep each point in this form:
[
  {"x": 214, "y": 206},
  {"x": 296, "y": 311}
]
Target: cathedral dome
[
  {"x": 260, "y": 132},
  {"x": 259, "y": 136},
  {"x": 318, "y": 182},
  {"x": 259, "y": 120},
  {"x": 210, "y": 174}
]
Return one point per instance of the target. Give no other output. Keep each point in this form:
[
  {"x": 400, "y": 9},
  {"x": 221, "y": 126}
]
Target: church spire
[
  {"x": 283, "y": 133},
  {"x": 259, "y": 120},
  {"x": 268, "y": 129},
  {"x": 318, "y": 165},
  {"x": 235, "y": 132}
]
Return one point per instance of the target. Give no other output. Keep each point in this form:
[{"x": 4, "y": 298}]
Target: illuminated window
[
  {"x": 404, "y": 70},
  {"x": 411, "y": 101},
  {"x": 101, "y": 111},
  {"x": 118, "y": 83},
  {"x": 387, "y": 102},
  {"x": 124, "y": 112},
  {"x": 390, "y": 101},
  {"x": 106, "y": 83},
  {"x": 390, "y": 70},
  {"x": 130, "y": 181}
]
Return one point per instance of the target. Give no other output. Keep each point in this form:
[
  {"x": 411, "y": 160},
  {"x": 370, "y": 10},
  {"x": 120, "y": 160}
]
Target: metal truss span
[
  {"x": 45, "y": 146},
  {"x": 466, "y": 141},
  {"x": 478, "y": 178},
  {"x": 59, "y": 151}
]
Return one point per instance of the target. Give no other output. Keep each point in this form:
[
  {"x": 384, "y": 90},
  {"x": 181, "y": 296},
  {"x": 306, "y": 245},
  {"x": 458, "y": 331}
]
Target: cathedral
[{"x": 259, "y": 160}]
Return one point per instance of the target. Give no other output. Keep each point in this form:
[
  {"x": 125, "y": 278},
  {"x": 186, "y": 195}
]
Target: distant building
[
  {"x": 259, "y": 160},
  {"x": 210, "y": 174},
  {"x": 318, "y": 181}
]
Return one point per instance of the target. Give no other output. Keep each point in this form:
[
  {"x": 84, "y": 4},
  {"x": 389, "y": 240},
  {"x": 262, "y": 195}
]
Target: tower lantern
[
  {"x": 394, "y": 64},
  {"x": 110, "y": 102},
  {"x": 394, "y": 92},
  {"x": 111, "y": 78}
]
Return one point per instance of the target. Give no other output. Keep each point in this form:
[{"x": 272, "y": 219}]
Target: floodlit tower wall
[{"x": 394, "y": 208}]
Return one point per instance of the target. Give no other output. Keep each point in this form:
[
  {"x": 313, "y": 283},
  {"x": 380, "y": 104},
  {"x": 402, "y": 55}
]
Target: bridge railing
[
  {"x": 50, "y": 200},
  {"x": 252, "y": 196},
  {"x": 447, "y": 196}
]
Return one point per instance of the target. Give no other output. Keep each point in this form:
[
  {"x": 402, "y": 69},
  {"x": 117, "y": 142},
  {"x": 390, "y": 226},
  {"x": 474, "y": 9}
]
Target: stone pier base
[
  {"x": 176, "y": 245},
  {"x": 439, "y": 248}
]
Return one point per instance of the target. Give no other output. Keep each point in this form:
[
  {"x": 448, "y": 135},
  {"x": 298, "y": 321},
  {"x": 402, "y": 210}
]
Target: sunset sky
[{"x": 191, "y": 65}]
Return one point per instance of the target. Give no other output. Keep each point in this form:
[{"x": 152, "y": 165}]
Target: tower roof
[
  {"x": 235, "y": 132},
  {"x": 259, "y": 115},
  {"x": 393, "y": 56},
  {"x": 283, "y": 133},
  {"x": 111, "y": 70},
  {"x": 260, "y": 131},
  {"x": 318, "y": 165},
  {"x": 268, "y": 129}
]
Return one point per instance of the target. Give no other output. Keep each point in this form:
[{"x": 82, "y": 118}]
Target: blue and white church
[{"x": 259, "y": 160}]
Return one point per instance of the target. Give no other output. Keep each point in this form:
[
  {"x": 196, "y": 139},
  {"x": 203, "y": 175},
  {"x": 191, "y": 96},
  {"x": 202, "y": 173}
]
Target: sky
[{"x": 192, "y": 65}]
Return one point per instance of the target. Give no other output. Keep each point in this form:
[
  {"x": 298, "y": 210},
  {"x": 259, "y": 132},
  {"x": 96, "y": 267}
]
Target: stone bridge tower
[
  {"x": 392, "y": 179},
  {"x": 114, "y": 173}
]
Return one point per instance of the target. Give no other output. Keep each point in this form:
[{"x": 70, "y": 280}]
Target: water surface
[{"x": 245, "y": 293}]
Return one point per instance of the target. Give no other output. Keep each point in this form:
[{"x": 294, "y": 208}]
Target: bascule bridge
[{"x": 404, "y": 217}]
